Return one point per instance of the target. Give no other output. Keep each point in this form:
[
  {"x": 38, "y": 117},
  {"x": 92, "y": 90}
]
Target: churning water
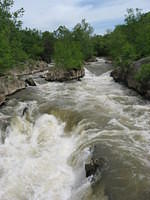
[{"x": 43, "y": 151}]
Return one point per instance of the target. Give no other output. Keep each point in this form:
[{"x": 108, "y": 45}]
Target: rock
[
  {"x": 91, "y": 168},
  {"x": 30, "y": 67},
  {"x": 118, "y": 75},
  {"x": 2, "y": 99},
  {"x": 92, "y": 59},
  {"x": 108, "y": 62},
  {"x": 128, "y": 77},
  {"x": 95, "y": 165},
  {"x": 25, "y": 110},
  {"x": 10, "y": 84},
  {"x": 56, "y": 74},
  {"x": 30, "y": 81},
  {"x": 15, "y": 79}
]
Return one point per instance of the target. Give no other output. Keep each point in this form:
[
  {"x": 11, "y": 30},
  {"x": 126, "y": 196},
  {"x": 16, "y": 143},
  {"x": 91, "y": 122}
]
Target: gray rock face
[
  {"x": 13, "y": 81},
  {"x": 2, "y": 99},
  {"x": 129, "y": 77},
  {"x": 9, "y": 85},
  {"x": 30, "y": 68},
  {"x": 61, "y": 75}
]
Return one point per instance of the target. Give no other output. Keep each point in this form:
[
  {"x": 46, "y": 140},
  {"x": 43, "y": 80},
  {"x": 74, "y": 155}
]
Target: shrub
[
  {"x": 143, "y": 75},
  {"x": 67, "y": 55}
]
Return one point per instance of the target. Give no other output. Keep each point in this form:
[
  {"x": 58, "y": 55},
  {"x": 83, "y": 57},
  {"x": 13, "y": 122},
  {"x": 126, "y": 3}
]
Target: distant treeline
[
  {"x": 128, "y": 42},
  {"x": 70, "y": 49}
]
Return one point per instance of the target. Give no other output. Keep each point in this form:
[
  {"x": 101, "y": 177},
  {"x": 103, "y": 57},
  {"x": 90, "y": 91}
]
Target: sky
[{"x": 101, "y": 14}]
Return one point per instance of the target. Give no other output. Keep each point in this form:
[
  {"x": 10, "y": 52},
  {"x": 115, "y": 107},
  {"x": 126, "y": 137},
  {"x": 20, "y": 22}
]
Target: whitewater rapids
[{"x": 44, "y": 150}]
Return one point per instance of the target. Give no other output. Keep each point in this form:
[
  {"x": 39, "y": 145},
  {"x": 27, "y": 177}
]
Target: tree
[
  {"x": 32, "y": 43},
  {"x": 82, "y": 33},
  {"x": 68, "y": 55},
  {"x": 48, "y": 42},
  {"x": 10, "y": 44}
]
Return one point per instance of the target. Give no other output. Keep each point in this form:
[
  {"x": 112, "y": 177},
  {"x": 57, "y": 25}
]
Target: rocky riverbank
[
  {"x": 129, "y": 77},
  {"x": 14, "y": 80},
  {"x": 19, "y": 79}
]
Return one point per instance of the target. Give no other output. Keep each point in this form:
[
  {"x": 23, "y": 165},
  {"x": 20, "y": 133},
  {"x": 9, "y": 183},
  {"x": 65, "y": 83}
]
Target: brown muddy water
[{"x": 44, "y": 151}]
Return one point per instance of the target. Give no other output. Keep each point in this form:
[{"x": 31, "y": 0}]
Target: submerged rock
[
  {"x": 128, "y": 77},
  {"x": 96, "y": 166},
  {"x": 30, "y": 81},
  {"x": 56, "y": 74}
]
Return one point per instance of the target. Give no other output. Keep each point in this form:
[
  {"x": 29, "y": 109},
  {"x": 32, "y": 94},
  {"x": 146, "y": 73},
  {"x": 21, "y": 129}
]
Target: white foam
[{"x": 34, "y": 161}]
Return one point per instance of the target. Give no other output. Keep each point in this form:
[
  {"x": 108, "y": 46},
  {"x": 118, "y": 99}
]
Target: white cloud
[{"x": 49, "y": 14}]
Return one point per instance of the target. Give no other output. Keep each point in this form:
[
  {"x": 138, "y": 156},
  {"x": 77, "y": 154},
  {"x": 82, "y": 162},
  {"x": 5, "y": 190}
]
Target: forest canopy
[{"x": 70, "y": 48}]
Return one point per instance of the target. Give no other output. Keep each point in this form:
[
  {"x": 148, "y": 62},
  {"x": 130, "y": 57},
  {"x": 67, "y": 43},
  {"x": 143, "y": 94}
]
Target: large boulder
[
  {"x": 56, "y": 74},
  {"x": 128, "y": 77}
]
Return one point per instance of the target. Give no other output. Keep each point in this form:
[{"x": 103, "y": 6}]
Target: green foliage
[
  {"x": 5, "y": 53},
  {"x": 122, "y": 52},
  {"x": 100, "y": 46},
  {"x": 72, "y": 47},
  {"x": 128, "y": 42},
  {"x": 68, "y": 55},
  {"x": 17, "y": 45},
  {"x": 82, "y": 33},
  {"x": 10, "y": 44},
  {"x": 143, "y": 75},
  {"x": 62, "y": 33},
  {"x": 48, "y": 42},
  {"x": 31, "y": 43}
]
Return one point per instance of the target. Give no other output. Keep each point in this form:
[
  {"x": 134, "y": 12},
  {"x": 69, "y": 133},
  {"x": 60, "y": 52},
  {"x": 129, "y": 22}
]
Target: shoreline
[
  {"x": 128, "y": 77},
  {"x": 15, "y": 81}
]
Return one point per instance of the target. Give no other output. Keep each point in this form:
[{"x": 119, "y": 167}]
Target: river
[{"x": 43, "y": 151}]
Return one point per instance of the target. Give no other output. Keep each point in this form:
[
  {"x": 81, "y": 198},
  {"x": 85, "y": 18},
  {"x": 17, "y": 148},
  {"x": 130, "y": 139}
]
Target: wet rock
[
  {"x": 128, "y": 77},
  {"x": 92, "y": 59},
  {"x": 56, "y": 74},
  {"x": 10, "y": 84},
  {"x": 25, "y": 110},
  {"x": 2, "y": 99},
  {"x": 108, "y": 61},
  {"x": 91, "y": 168},
  {"x": 95, "y": 166},
  {"x": 29, "y": 81}
]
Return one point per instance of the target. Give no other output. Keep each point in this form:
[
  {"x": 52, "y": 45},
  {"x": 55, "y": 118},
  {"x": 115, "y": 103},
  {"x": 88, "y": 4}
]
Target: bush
[
  {"x": 143, "y": 75},
  {"x": 67, "y": 55}
]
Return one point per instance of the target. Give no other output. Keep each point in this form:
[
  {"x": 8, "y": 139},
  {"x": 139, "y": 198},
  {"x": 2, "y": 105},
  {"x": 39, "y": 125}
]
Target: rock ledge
[
  {"x": 128, "y": 77},
  {"x": 56, "y": 74}
]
